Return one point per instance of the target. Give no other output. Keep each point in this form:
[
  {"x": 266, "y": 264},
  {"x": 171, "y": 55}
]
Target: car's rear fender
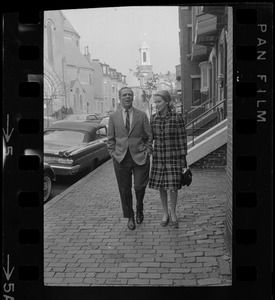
[{"x": 98, "y": 152}]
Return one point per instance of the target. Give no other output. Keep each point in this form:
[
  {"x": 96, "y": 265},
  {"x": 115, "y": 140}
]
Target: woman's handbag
[{"x": 186, "y": 177}]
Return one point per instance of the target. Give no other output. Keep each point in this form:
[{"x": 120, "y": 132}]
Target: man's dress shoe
[
  {"x": 131, "y": 224},
  {"x": 140, "y": 218}
]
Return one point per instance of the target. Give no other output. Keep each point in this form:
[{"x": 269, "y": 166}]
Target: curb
[{"x": 82, "y": 181}]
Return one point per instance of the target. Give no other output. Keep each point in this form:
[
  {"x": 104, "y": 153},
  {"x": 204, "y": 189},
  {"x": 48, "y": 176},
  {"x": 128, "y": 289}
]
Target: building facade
[
  {"x": 54, "y": 65},
  {"x": 203, "y": 49},
  {"x": 113, "y": 81},
  {"x": 206, "y": 39},
  {"x": 178, "y": 91},
  {"x": 98, "y": 84},
  {"x": 68, "y": 77},
  {"x": 79, "y": 74},
  {"x": 73, "y": 82},
  {"x": 229, "y": 157}
]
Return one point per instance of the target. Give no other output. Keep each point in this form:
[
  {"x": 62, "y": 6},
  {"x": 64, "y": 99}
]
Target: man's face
[{"x": 126, "y": 98}]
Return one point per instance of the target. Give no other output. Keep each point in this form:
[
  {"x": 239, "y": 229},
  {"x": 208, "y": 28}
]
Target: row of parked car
[{"x": 72, "y": 145}]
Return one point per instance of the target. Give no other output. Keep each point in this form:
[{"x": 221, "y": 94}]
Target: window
[
  {"x": 65, "y": 138},
  {"x": 210, "y": 82},
  {"x": 50, "y": 43},
  {"x": 77, "y": 99},
  {"x": 189, "y": 39},
  {"x": 204, "y": 76},
  {"x": 221, "y": 78},
  {"x": 101, "y": 133},
  {"x": 222, "y": 62},
  {"x": 214, "y": 80},
  {"x": 196, "y": 94},
  {"x": 81, "y": 103},
  {"x": 144, "y": 56},
  {"x": 74, "y": 102}
]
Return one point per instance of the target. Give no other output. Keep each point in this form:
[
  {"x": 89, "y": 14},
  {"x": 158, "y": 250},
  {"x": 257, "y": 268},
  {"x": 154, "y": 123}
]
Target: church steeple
[
  {"x": 144, "y": 52},
  {"x": 145, "y": 68}
]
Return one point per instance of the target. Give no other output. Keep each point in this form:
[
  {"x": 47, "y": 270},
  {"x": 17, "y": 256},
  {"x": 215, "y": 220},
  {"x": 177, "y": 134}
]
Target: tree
[
  {"x": 53, "y": 89},
  {"x": 150, "y": 85},
  {"x": 147, "y": 91},
  {"x": 62, "y": 112}
]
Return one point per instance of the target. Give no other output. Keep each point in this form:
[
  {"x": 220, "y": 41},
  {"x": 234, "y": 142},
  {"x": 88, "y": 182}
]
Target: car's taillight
[
  {"x": 65, "y": 161},
  {"x": 64, "y": 153},
  {"x": 50, "y": 159}
]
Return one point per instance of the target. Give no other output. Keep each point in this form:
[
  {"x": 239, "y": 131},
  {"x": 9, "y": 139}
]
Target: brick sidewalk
[{"x": 86, "y": 240}]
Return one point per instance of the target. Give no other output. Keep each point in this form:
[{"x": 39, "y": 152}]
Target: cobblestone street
[{"x": 87, "y": 242}]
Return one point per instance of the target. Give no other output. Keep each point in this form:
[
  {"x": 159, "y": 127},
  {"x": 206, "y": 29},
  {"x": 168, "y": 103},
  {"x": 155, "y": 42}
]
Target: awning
[
  {"x": 206, "y": 30},
  {"x": 213, "y": 10},
  {"x": 200, "y": 53}
]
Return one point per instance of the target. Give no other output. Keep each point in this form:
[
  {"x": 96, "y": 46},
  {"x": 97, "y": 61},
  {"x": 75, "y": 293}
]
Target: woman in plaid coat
[{"x": 169, "y": 154}]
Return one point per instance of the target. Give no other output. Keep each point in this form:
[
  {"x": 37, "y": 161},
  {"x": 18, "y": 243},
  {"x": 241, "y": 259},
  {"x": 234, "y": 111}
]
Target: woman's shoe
[
  {"x": 165, "y": 223},
  {"x": 131, "y": 224},
  {"x": 175, "y": 224}
]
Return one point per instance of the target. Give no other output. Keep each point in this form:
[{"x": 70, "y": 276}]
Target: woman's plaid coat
[{"x": 170, "y": 147}]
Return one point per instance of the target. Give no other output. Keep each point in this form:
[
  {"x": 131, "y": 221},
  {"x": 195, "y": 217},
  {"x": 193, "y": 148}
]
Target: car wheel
[{"x": 47, "y": 187}]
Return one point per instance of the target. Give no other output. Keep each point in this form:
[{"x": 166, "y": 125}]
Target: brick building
[
  {"x": 203, "y": 50},
  {"x": 206, "y": 85},
  {"x": 113, "y": 81}
]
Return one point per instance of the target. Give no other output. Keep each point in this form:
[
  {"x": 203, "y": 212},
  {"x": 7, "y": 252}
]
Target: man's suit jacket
[{"x": 139, "y": 139}]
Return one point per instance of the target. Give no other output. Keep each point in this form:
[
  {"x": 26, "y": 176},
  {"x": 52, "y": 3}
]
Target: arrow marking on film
[
  {"x": 7, "y": 272},
  {"x": 7, "y": 134}
]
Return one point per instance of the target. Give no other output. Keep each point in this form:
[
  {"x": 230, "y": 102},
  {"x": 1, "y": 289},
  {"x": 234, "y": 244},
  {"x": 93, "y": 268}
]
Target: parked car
[
  {"x": 71, "y": 147},
  {"x": 83, "y": 117},
  {"x": 105, "y": 121},
  {"x": 49, "y": 177},
  {"x": 106, "y": 114},
  {"x": 48, "y": 121}
]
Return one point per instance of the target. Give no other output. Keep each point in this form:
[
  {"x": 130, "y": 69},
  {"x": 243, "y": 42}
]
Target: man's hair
[{"x": 123, "y": 88}]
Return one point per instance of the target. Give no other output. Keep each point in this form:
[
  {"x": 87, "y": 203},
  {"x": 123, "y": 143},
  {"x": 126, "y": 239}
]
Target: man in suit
[{"x": 130, "y": 146}]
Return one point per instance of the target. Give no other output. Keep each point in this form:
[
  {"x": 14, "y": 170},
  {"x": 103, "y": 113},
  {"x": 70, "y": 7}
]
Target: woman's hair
[{"x": 166, "y": 96}]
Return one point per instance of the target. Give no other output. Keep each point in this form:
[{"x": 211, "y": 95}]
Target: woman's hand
[{"x": 184, "y": 162}]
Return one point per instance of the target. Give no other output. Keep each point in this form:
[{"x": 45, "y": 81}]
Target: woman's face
[{"x": 161, "y": 105}]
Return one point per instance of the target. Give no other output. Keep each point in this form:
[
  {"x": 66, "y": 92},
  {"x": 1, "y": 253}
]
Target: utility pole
[{"x": 64, "y": 84}]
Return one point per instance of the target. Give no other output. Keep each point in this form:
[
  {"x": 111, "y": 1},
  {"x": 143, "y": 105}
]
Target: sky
[{"x": 114, "y": 35}]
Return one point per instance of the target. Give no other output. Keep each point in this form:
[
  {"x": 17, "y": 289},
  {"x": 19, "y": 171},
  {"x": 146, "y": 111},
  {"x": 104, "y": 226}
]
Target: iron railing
[
  {"x": 207, "y": 119},
  {"x": 197, "y": 111}
]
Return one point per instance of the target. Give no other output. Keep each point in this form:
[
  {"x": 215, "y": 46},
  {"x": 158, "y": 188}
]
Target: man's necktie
[{"x": 127, "y": 125}]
